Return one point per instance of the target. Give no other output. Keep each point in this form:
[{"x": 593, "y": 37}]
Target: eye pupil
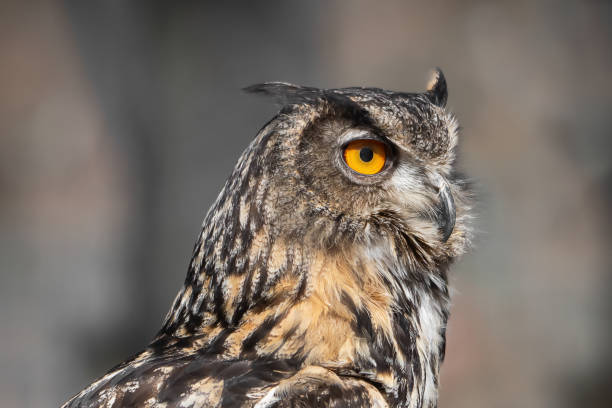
[{"x": 366, "y": 154}]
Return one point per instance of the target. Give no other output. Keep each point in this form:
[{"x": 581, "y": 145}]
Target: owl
[{"x": 319, "y": 278}]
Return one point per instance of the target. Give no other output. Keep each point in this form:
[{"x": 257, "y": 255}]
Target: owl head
[{"x": 342, "y": 164}]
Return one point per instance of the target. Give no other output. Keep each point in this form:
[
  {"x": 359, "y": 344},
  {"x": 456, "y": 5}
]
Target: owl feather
[{"x": 313, "y": 282}]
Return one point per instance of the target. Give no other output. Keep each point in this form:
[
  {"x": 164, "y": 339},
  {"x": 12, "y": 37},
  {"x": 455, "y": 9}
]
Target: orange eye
[{"x": 365, "y": 156}]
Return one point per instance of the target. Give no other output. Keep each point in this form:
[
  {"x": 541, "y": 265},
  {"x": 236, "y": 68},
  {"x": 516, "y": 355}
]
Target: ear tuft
[
  {"x": 437, "y": 92},
  {"x": 284, "y": 93}
]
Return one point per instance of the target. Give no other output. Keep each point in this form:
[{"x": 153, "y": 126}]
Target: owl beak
[{"x": 445, "y": 213}]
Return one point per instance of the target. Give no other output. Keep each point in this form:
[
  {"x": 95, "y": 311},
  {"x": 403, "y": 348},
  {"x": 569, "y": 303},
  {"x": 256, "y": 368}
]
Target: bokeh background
[{"x": 120, "y": 120}]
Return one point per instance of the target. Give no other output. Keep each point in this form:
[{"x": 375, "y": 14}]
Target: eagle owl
[{"x": 319, "y": 278}]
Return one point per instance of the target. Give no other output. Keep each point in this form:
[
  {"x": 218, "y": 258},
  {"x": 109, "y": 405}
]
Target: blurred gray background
[{"x": 119, "y": 122}]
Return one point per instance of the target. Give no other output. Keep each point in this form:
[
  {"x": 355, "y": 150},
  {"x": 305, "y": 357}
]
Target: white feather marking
[
  {"x": 268, "y": 400},
  {"x": 431, "y": 322}
]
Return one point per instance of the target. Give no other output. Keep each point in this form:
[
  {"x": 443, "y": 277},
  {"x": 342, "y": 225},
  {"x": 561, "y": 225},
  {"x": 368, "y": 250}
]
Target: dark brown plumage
[{"x": 312, "y": 284}]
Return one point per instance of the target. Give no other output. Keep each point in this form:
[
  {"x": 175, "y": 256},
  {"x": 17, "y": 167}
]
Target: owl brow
[{"x": 349, "y": 109}]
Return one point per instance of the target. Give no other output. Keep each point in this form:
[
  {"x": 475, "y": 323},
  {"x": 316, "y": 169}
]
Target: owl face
[{"x": 342, "y": 161}]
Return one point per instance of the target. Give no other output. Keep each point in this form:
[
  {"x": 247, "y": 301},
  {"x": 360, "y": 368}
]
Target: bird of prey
[{"x": 319, "y": 278}]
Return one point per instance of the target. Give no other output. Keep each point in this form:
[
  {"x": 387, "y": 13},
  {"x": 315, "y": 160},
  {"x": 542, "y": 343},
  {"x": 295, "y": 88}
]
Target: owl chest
[
  {"x": 418, "y": 314},
  {"x": 399, "y": 351}
]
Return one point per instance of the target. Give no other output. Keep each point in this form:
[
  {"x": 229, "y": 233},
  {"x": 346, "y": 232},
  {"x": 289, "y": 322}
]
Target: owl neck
[
  {"x": 397, "y": 313},
  {"x": 363, "y": 311}
]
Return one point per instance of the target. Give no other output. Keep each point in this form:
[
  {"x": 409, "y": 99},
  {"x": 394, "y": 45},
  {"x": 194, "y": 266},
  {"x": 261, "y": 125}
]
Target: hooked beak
[{"x": 445, "y": 212}]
